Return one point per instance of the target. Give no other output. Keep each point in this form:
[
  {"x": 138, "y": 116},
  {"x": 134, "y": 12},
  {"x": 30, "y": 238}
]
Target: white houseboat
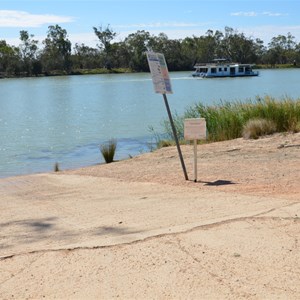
[{"x": 223, "y": 68}]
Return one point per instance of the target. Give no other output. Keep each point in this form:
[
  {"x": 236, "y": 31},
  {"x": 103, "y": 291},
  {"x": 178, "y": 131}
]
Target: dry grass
[{"x": 255, "y": 128}]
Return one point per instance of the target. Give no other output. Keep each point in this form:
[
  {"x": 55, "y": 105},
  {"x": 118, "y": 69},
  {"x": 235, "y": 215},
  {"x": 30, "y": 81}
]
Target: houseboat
[{"x": 223, "y": 68}]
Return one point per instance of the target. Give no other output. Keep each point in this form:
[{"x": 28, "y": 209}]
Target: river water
[{"x": 63, "y": 120}]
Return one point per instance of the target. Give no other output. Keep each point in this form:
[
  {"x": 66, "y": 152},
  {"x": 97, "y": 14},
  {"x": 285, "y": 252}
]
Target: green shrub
[
  {"x": 226, "y": 120},
  {"x": 56, "y": 167},
  {"x": 223, "y": 121},
  {"x": 108, "y": 150}
]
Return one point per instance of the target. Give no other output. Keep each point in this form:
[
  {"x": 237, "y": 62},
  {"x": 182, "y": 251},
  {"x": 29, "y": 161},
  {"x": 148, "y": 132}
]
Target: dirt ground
[{"x": 136, "y": 229}]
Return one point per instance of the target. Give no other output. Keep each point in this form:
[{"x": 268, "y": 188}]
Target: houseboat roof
[{"x": 218, "y": 62}]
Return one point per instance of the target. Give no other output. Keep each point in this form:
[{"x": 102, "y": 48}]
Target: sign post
[
  {"x": 162, "y": 85},
  {"x": 195, "y": 129}
]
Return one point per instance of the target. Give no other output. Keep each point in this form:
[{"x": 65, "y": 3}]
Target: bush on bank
[{"x": 228, "y": 120}]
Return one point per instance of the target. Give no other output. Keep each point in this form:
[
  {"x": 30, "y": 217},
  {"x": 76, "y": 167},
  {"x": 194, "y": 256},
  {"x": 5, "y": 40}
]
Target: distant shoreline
[{"x": 101, "y": 71}]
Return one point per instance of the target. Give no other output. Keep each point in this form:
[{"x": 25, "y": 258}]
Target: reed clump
[
  {"x": 108, "y": 150},
  {"x": 229, "y": 120},
  {"x": 255, "y": 128},
  {"x": 56, "y": 167}
]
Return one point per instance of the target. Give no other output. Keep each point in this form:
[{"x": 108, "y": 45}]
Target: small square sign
[{"x": 195, "y": 129}]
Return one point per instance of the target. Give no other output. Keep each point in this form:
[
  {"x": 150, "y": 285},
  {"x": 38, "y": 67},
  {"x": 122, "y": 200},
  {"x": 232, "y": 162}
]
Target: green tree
[
  {"x": 297, "y": 55},
  {"x": 208, "y": 46},
  {"x": 189, "y": 51},
  {"x": 282, "y": 49},
  {"x": 105, "y": 36},
  {"x": 260, "y": 51},
  {"x": 171, "y": 49},
  {"x": 9, "y": 59},
  {"x": 28, "y": 53},
  {"x": 137, "y": 44},
  {"x": 237, "y": 47},
  {"x": 120, "y": 55},
  {"x": 85, "y": 57},
  {"x": 57, "y": 50}
]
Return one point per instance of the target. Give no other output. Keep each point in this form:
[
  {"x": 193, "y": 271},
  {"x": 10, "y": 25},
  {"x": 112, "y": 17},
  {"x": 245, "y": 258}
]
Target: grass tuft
[
  {"x": 108, "y": 150},
  {"x": 56, "y": 167},
  {"x": 255, "y": 128}
]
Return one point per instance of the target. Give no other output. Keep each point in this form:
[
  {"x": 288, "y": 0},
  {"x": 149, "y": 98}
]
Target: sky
[{"x": 178, "y": 19}]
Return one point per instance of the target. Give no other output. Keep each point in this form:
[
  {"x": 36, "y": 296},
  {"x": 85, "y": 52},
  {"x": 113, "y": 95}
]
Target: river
[{"x": 63, "y": 120}]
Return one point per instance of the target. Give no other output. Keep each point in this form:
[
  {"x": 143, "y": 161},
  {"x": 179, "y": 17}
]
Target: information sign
[
  {"x": 159, "y": 72},
  {"x": 195, "y": 129}
]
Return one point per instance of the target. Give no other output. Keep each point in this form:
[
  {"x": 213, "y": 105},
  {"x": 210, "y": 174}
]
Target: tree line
[{"x": 57, "y": 56}]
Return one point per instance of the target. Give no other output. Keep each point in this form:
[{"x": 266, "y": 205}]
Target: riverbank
[
  {"x": 96, "y": 71},
  {"x": 99, "y": 71},
  {"x": 136, "y": 229}
]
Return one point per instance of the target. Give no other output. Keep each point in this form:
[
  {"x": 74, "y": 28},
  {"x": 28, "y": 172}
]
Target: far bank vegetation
[{"x": 56, "y": 55}]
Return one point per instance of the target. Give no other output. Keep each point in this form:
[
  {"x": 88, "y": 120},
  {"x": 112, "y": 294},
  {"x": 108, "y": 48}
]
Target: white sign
[
  {"x": 195, "y": 129},
  {"x": 159, "y": 71}
]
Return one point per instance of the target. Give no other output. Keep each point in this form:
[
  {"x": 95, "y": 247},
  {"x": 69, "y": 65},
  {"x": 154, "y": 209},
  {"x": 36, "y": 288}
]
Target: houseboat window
[
  {"x": 225, "y": 69},
  {"x": 241, "y": 69},
  {"x": 213, "y": 70},
  {"x": 220, "y": 69}
]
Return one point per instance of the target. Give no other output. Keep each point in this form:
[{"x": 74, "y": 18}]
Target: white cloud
[
  {"x": 256, "y": 14},
  {"x": 15, "y": 18},
  {"x": 161, "y": 25},
  {"x": 244, "y": 14},
  {"x": 272, "y": 14}
]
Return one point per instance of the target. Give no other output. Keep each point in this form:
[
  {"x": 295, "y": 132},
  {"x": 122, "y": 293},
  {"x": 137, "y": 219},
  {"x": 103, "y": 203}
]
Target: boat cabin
[{"x": 223, "y": 68}]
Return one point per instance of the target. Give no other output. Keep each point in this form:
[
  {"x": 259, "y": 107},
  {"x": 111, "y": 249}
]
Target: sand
[{"x": 136, "y": 229}]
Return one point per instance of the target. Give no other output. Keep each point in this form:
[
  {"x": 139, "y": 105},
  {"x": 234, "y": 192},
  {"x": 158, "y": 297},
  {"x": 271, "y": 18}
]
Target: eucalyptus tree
[
  {"x": 28, "y": 53},
  {"x": 282, "y": 49},
  {"x": 120, "y": 55},
  {"x": 9, "y": 59},
  {"x": 137, "y": 44},
  {"x": 296, "y": 62},
  {"x": 260, "y": 51},
  {"x": 106, "y": 36},
  {"x": 172, "y": 51},
  {"x": 175, "y": 58},
  {"x": 203, "y": 48},
  {"x": 218, "y": 38},
  {"x": 237, "y": 47},
  {"x": 57, "y": 50},
  {"x": 189, "y": 51},
  {"x": 207, "y": 46},
  {"x": 85, "y": 57}
]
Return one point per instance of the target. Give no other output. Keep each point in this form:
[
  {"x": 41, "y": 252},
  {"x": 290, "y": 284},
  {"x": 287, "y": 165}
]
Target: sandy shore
[{"x": 136, "y": 229}]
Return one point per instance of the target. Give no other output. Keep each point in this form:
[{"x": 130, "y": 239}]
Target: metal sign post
[
  {"x": 195, "y": 160},
  {"x": 175, "y": 137},
  {"x": 162, "y": 85}
]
